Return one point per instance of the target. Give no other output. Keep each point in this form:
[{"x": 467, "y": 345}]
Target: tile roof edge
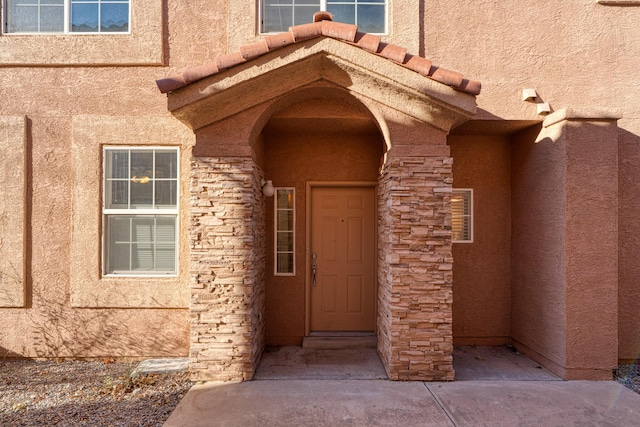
[{"x": 346, "y": 33}]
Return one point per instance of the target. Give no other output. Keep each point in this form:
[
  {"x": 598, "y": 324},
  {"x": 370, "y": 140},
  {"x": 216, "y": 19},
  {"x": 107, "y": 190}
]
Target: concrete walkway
[{"x": 536, "y": 399}]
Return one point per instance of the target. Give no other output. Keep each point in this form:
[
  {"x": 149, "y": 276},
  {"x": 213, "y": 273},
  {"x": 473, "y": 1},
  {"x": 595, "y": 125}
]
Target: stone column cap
[{"x": 584, "y": 113}]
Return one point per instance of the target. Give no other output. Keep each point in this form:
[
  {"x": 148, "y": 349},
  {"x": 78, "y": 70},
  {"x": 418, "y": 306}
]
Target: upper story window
[
  {"x": 279, "y": 15},
  {"x": 140, "y": 210},
  {"x": 66, "y": 16}
]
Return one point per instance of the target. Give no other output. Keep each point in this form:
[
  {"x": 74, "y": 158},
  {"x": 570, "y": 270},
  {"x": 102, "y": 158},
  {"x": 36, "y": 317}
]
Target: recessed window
[
  {"x": 140, "y": 210},
  {"x": 462, "y": 215},
  {"x": 285, "y": 232},
  {"x": 278, "y": 15},
  {"x": 66, "y": 16}
]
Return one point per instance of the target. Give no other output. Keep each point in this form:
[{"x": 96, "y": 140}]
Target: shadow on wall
[{"x": 58, "y": 330}]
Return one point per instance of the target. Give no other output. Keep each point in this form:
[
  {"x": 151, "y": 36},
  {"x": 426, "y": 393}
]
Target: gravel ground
[
  {"x": 629, "y": 376},
  {"x": 80, "y": 393}
]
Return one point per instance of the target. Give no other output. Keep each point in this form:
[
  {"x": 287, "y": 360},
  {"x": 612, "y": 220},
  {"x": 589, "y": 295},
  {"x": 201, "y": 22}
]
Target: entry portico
[{"x": 364, "y": 114}]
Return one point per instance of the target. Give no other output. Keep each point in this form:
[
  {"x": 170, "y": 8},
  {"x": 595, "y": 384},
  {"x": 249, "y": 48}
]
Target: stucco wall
[
  {"x": 574, "y": 53},
  {"x": 482, "y": 269},
  {"x": 629, "y": 244},
  {"x": 50, "y": 96}
]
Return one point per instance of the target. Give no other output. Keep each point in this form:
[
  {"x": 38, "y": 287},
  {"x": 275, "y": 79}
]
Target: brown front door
[{"x": 343, "y": 251}]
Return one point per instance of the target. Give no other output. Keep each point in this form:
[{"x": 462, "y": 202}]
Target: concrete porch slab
[
  {"x": 497, "y": 363},
  {"x": 280, "y": 363}
]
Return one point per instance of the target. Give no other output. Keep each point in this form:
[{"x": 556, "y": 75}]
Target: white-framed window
[
  {"x": 284, "y": 242},
  {"x": 462, "y": 215},
  {"x": 278, "y": 15},
  {"x": 66, "y": 16},
  {"x": 140, "y": 210}
]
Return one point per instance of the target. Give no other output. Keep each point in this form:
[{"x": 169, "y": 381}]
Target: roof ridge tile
[
  {"x": 339, "y": 30},
  {"x": 392, "y": 52},
  {"x": 323, "y": 25},
  {"x": 448, "y": 77},
  {"x": 229, "y": 60},
  {"x": 280, "y": 40},
  {"x": 418, "y": 64},
  {"x": 254, "y": 50},
  {"x": 368, "y": 42},
  {"x": 199, "y": 72},
  {"x": 306, "y": 31}
]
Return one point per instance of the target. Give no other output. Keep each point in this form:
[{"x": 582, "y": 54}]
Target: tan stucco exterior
[{"x": 554, "y": 265}]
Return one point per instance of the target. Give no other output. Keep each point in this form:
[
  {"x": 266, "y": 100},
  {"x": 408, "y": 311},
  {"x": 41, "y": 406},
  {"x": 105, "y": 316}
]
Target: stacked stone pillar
[
  {"x": 227, "y": 232},
  {"x": 415, "y": 336}
]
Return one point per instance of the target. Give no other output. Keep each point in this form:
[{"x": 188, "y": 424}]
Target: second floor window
[
  {"x": 279, "y": 15},
  {"x": 66, "y": 16}
]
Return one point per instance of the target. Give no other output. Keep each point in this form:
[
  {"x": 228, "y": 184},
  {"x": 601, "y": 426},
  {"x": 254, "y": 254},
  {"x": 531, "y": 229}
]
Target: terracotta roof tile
[
  {"x": 277, "y": 41},
  {"x": 450, "y": 78},
  {"x": 367, "y": 41},
  {"x": 392, "y": 52},
  {"x": 470, "y": 86},
  {"x": 339, "y": 31},
  {"x": 254, "y": 50},
  {"x": 199, "y": 72},
  {"x": 230, "y": 60},
  {"x": 171, "y": 83},
  {"x": 418, "y": 64},
  {"x": 323, "y": 26},
  {"x": 306, "y": 31}
]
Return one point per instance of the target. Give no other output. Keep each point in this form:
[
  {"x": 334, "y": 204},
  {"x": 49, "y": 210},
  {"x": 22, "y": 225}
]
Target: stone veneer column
[
  {"x": 227, "y": 239},
  {"x": 415, "y": 335}
]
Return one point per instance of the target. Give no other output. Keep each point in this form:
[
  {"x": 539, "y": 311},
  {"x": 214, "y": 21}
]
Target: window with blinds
[
  {"x": 462, "y": 215},
  {"x": 140, "y": 210}
]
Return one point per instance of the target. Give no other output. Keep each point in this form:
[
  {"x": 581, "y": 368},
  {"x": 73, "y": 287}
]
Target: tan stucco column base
[
  {"x": 565, "y": 244},
  {"x": 226, "y": 234},
  {"x": 415, "y": 336}
]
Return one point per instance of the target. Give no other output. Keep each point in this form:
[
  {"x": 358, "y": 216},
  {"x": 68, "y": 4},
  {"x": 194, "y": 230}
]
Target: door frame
[{"x": 307, "y": 287}]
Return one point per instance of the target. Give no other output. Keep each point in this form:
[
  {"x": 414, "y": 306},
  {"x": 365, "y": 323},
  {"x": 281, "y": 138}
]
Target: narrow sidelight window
[
  {"x": 462, "y": 215},
  {"x": 285, "y": 232},
  {"x": 140, "y": 210}
]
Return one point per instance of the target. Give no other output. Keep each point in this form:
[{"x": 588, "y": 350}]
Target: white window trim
[
  {"x": 140, "y": 212},
  {"x": 471, "y": 215},
  {"x": 67, "y": 24},
  {"x": 275, "y": 232},
  {"x": 323, "y": 7}
]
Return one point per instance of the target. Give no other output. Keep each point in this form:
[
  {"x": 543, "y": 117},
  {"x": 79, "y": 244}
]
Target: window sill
[{"x": 619, "y": 2}]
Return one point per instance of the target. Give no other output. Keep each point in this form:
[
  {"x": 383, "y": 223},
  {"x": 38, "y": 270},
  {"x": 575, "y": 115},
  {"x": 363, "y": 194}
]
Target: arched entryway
[
  {"x": 330, "y": 115},
  {"x": 323, "y": 152}
]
